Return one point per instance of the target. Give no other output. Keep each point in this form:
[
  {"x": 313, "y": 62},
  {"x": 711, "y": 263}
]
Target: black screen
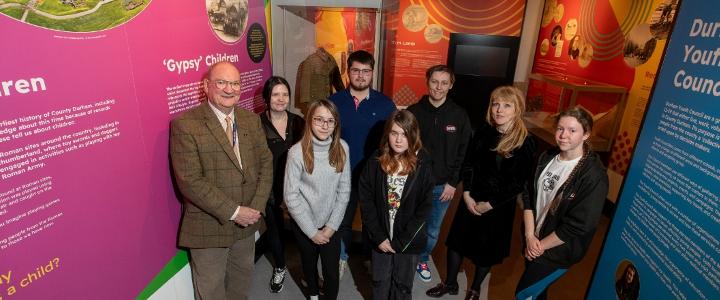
[{"x": 492, "y": 63}]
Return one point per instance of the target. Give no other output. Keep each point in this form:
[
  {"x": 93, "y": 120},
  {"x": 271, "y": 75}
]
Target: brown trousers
[{"x": 223, "y": 273}]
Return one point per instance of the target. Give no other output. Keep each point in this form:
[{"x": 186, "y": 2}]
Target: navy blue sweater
[{"x": 362, "y": 128}]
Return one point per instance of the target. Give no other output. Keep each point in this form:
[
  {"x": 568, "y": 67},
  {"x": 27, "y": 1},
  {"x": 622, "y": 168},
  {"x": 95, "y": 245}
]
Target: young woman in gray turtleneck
[{"x": 317, "y": 190}]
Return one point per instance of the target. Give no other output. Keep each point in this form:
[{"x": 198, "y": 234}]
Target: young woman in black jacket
[
  {"x": 282, "y": 130},
  {"x": 395, "y": 190},
  {"x": 563, "y": 205},
  {"x": 496, "y": 168}
]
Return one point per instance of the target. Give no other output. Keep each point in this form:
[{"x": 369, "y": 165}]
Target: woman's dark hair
[
  {"x": 581, "y": 115},
  {"x": 405, "y": 162},
  {"x": 269, "y": 85},
  {"x": 628, "y": 290},
  {"x": 586, "y": 121}
]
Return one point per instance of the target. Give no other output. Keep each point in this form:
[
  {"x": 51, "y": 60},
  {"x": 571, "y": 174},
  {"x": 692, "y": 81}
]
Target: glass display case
[
  {"x": 549, "y": 95},
  {"x": 311, "y": 44}
]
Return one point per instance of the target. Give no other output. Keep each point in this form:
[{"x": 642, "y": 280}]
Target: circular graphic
[
  {"x": 544, "y": 47},
  {"x": 586, "y": 55},
  {"x": 570, "y": 29},
  {"x": 414, "y": 18},
  {"x": 228, "y": 18},
  {"x": 73, "y": 15},
  {"x": 556, "y": 35},
  {"x": 639, "y": 45},
  {"x": 627, "y": 281},
  {"x": 662, "y": 18},
  {"x": 433, "y": 33},
  {"x": 548, "y": 12},
  {"x": 256, "y": 42},
  {"x": 559, "y": 11}
]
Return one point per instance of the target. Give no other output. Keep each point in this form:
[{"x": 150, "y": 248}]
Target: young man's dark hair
[
  {"x": 362, "y": 57},
  {"x": 439, "y": 68}
]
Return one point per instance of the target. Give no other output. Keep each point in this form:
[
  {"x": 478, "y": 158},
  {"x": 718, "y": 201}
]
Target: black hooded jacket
[
  {"x": 409, "y": 230},
  {"x": 445, "y": 133},
  {"x": 578, "y": 213}
]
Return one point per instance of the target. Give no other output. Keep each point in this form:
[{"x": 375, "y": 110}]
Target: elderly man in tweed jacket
[{"x": 224, "y": 171}]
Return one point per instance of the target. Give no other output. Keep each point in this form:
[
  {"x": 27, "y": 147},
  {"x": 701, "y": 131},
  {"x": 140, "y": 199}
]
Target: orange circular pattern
[{"x": 494, "y": 17}]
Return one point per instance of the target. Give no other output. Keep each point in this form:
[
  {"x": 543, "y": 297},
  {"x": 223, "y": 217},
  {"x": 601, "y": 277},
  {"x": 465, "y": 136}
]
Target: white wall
[{"x": 528, "y": 40}]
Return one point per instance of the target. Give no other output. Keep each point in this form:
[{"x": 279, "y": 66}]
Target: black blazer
[{"x": 409, "y": 232}]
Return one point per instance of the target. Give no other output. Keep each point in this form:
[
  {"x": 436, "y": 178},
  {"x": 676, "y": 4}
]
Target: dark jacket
[
  {"x": 577, "y": 216},
  {"x": 445, "y": 132},
  {"x": 409, "y": 231},
  {"x": 490, "y": 177},
  {"x": 279, "y": 148}
]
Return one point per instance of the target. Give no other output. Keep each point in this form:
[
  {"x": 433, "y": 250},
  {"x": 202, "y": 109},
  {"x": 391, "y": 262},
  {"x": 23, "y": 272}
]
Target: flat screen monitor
[
  {"x": 486, "y": 61},
  {"x": 481, "y": 63}
]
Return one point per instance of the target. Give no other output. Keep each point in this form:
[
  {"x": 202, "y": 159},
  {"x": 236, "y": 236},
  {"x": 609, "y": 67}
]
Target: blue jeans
[
  {"x": 434, "y": 221},
  {"x": 345, "y": 230}
]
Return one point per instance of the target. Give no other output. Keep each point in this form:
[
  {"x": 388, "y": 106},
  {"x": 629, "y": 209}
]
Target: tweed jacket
[{"x": 210, "y": 178}]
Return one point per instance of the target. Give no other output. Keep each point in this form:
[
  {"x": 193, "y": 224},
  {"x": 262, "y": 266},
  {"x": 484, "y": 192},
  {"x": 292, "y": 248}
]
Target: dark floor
[{"x": 502, "y": 283}]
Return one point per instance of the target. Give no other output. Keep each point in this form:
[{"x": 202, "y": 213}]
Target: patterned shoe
[
  {"x": 423, "y": 271},
  {"x": 278, "y": 277}
]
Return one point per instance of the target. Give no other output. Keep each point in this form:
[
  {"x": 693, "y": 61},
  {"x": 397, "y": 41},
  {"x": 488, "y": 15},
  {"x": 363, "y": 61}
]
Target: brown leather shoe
[
  {"x": 472, "y": 295},
  {"x": 441, "y": 289}
]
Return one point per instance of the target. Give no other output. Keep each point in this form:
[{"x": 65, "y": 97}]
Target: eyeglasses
[
  {"x": 221, "y": 84},
  {"x": 365, "y": 72},
  {"x": 318, "y": 121}
]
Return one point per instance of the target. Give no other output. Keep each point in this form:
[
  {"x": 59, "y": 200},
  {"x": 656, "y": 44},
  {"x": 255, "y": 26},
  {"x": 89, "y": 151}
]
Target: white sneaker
[
  {"x": 341, "y": 268},
  {"x": 423, "y": 271}
]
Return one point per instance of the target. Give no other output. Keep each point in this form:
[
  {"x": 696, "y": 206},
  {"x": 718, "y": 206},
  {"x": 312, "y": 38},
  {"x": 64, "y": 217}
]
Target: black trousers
[
  {"x": 536, "y": 279},
  {"x": 275, "y": 222},
  {"x": 393, "y": 275},
  {"x": 328, "y": 253}
]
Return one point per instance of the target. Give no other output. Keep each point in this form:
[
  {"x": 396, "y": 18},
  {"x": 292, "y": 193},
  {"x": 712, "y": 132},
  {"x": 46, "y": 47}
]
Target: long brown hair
[
  {"x": 337, "y": 153},
  {"x": 585, "y": 119},
  {"x": 516, "y": 131},
  {"x": 391, "y": 164}
]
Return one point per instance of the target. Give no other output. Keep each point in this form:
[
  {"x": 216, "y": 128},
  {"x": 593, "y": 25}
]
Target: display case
[
  {"x": 311, "y": 43},
  {"x": 548, "y": 95}
]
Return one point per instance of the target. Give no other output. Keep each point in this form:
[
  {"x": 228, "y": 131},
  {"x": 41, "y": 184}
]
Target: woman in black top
[
  {"x": 562, "y": 206},
  {"x": 494, "y": 173},
  {"x": 395, "y": 190},
  {"x": 282, "y": 129},
  {"x": 628, "y": 286}
]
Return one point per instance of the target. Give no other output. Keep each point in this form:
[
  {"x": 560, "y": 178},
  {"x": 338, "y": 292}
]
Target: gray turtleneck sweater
[{"x": 318, "y": 199}]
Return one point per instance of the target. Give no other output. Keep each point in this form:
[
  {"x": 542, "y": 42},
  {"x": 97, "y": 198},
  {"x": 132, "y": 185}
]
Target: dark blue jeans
[{"x": 434, "y": 221}]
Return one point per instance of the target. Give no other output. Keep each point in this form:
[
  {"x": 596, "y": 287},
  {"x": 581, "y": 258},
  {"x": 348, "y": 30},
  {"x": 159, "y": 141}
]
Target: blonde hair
[
  {"x": 336, "y": 153},
  {"x": 516, "y": 131}
]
